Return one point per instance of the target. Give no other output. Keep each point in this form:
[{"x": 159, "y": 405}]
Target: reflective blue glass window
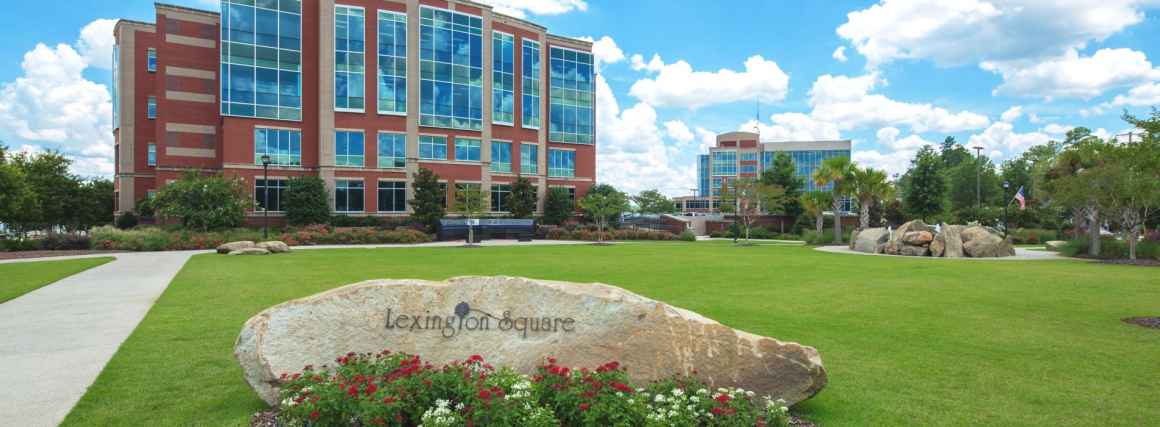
[
  {"x": 348, "y": 148},
  {"x": 432, "y": 147},
  {"x": 501, "y": 157},
  {"x": 151, "y": 156},
  {"x": 561, "y": 163},
  {"x": 349, "y": 58},
  {"x": 283, "y": 146},
  {"x": 261, "y": 59},
  {"x": 151, "y": 107},
  {"x": 392, "y": 78},
  {"x": 530, "y": 84},
  {"x": 570, "y": 112},
  {"x": 724, "y": 163},
  {"x": 467, "y": 149},
  {"x": 529, "y": 159},
  {"x": 503, "y": 85},
  {"x": 151, "y": 60},
  {"x": 501, "y": 197},
  {"x": 392, "y": 150},
  {"x": 348, "y": 195},
  {"x": 451, "y": 69}
]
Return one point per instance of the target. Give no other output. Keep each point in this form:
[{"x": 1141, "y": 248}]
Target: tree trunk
[
  {"x": 1077, "y": 221},
  {"x": 864, "y": 220},
  {"x": 470, "y": 234},
  {"x": 820, "y": 224},
  {"x": 837, "y": 221},
  {"x": 747, "y": 227},
  {"x": 1094, "y": 231},
  {"x": 1132, "y": 244}
]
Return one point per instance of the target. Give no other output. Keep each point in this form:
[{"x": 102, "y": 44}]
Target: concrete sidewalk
[{"x": 56, "y": 339}]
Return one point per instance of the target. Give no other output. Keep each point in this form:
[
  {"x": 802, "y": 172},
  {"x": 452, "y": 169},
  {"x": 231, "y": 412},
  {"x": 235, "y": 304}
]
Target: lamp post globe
[{"x": 265, "y": 196}]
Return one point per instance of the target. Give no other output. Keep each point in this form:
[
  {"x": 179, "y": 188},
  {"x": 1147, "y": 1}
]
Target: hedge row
[{"x": 157, "y": 239}]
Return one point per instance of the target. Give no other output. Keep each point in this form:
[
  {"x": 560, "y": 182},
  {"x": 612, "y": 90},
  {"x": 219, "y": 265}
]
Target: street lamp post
[
  {"x": 1006, "y": 185},
  {"x": 978, "y": 187},
  {"x": 266, "y": 196}
]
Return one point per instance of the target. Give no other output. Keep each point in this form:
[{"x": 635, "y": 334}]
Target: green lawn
[
  {"x": 905, "y": 341},
  {"x": 20, "y": 278}
]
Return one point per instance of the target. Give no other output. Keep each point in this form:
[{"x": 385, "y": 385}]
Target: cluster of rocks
[
  {"x": 247, "y": 247},
  {"x": 916, "y": 238}
]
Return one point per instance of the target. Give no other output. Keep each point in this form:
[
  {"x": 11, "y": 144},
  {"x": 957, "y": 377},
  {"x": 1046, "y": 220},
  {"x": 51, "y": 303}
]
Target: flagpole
[{"x": 1006, "y": 185}]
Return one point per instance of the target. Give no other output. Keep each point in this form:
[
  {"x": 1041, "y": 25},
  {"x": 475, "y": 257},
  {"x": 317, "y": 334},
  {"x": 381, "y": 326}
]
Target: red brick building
[{"x": 362, "y": 93}]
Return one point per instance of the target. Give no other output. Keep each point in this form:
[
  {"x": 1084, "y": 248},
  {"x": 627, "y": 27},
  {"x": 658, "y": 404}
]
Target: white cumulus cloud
[
  {"x": 652, "y": 66},
  {"x": 679, "y": 131},
  {"x": 605, "y": 51},
  {"x": 521, "y": 8},
  {"x": 1012, "y": 114},
  {"x": 632, "y": 151},
  {"x": 840, "y": 54},
  {"x": 793, "y": 127},
  {"x": 1075, "y": 76},
  {"x": 96, "y": 43},
  {"x": 1001, "y": 140},
  {"x": 678, "y": 85},
  {"x": 847, "y": 101}
]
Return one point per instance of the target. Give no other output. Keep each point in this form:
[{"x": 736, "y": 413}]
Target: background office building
[
  {"x": 742, "y": 155},
  {"x": 359, "y": 92}
]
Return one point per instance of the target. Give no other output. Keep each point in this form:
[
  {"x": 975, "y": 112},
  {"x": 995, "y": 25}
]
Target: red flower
[
  {"x": 717, "y": 410},
  {"x": 314, "y": 415},
  {"x": 389, "y": 400},
  {"x": 583, "y": 406},
  {"x": 551, "y": 359},
  {"x": 352, "y": 391},
  {"x": 484, "y": 394},
  {"x": 723, "y": 398},
  {"x": 371, "y": 389},
  {"x": 622, "y": 387},
  {"x": 475, "y": 358}
]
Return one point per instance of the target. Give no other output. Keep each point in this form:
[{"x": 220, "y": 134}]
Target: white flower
[
  {"x": 660, "y": 398},
  {"x": 749, "y": 393},
  {"x": 694, "y": 399},
  {"x": 678, "y": 392},
  {"x": 702, "y": 391}
]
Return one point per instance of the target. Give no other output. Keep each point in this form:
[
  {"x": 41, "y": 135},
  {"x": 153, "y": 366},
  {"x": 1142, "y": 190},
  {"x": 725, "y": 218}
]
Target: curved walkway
[
  {"x": 1020, "y": 255},
  {"x": 57, "y": 339}
]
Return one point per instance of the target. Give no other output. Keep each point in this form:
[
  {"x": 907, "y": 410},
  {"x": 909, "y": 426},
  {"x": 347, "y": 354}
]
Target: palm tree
[
  {"x": 869, "y": 186},
  {"x": 836, "y": 171},
  {"x": 815, "y": 203}
]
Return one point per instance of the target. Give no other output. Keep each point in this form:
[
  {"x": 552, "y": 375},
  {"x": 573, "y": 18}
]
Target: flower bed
[
  {"x": 400, "y": 389},
  {"x": 157, "y": 239},
  {"x": 620, "y": 234}
]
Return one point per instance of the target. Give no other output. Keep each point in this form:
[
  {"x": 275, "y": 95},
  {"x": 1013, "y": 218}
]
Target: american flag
[{"x": 1022, "y": 200}]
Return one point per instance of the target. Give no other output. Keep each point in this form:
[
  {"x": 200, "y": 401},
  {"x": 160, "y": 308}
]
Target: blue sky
[{"x": 890, "y": 75}]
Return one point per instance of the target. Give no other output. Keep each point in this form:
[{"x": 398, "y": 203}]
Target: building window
[
  {"x": 749, "y": 156},
  {"x": 349, "y": 58},
  {"x": 392, "y": 62},
  {"x": 392, "y": 196},
  {"x": 151, "y": 108},
  {"x": 503, "y": 78},
  {"x": 501, "y": 197},
  {"x": 750, "y": 169},
  {"x": 530, "y": 89},
  {"x": 432, "y": 147},
  {"x": 348, "y": 195},
  {"x": 348, "y": 148},
  {"x": 283, "y": 146},
  {"x": 451, "y": 69},
  {"x": 261, "y": 59},
  {"x": 529, "y": 159},
  {"x": 724, "y": 163},
  {"x": 151, "y": 156},
  {"x": 272, "y": 187},
  {"x": 501, "y": 157},
  {"x": 467, "y": 149},
  {"x": 703, "y": 175},
  {"x": 570, "y": 111},
  {"x": 151, "y": 60},
  {"x": 443, "y": 189},
  {"x": 392, "y": 150},
  {"x": 461, "y": 193},
  {"x": 561, "y": 163}
]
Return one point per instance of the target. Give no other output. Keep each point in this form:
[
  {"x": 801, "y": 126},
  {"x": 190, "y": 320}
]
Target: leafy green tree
[
  {"x": 93, "y": 205},
  {"x": 54, "y": 191},
  {"x": 1074, "y": 183},
  {"x": 1017, "y": 172},
  {"x": 558, "y": 206},
  {"x": 613, "y": 219},
  {"x": 870, "y": 187},
  {"x": 972, "y": 181},
  {"x": 204, "y": 202},
  {"x": 953, "y": 153},
  {"x": 783, "y": 173},
  {"x": 523, "y": 198},
  {"x": 836, "y": 171},
  {"x": 306, "y": 201},
  {"x": 1132, "y": 174},
  {"x": 1150, "y": 126},
  {"x": 815, "y": 204},
  {"x": 746, "y": 198},
  {"x": 473, "y": 203},
  {"x": 653, "y": 202},
  {"x": 926, "y": 185},
  {"x": 602, "y": 205},
  {"x": 16, "y": 197},
  {"x": 428, "y": 206}
]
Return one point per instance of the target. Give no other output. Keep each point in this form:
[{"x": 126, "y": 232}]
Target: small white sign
[{"x": 474, "y": 222}]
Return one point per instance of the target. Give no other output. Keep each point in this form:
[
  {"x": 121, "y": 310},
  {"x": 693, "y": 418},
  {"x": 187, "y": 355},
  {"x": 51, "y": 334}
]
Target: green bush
[
  {"x": 64, "y": 242},
  {"x": 126, "y": 221},
  {"x": 688, "y": 236},
  {"x": 156, "y": 239},
  {"x": 17, "y": 245},
  {"x": 811, "y": 236},
  {"x": 1110, "y": 248},
  {"x": 1032, "y": 236},
  {"x": 591, "y": 234},
  {"x": 400, "y": 389},
  {"x": 204, "y": 202},
  {"x": 306, "y": 201}
]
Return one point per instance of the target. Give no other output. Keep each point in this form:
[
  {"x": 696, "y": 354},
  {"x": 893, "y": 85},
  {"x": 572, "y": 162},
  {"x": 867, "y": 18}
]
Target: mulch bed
[
  {"x": 1147, "y": 322},
  {"x": 50, "y": 254},
  {"x": 270, "y": 419},
  {"x": 1140, "y": 262}
]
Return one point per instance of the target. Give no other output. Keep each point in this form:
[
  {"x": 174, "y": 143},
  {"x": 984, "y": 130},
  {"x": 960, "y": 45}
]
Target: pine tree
[
  {"x": 523, "y": 198},
  {"x": 428, "y": 205}
]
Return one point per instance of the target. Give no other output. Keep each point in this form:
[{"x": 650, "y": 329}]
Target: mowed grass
[
  {"x": 905, "y": 341},
  {"x": 19, "y": 278}
]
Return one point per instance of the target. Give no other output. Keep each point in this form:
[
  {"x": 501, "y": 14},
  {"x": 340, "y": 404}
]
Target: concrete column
[
  {"x": 542, "y": 138},
  {"x": 413, "y": 96},
  {"x": 326, "y": 95},
  {"x": 485, "y": 146}
]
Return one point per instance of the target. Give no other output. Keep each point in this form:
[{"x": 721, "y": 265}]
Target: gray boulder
[
  {"x": 983, "y": 242},
  {"x": 250, "y": 251},
  {"x": 952, "y": 241},
  {"x": 274, "y": 246},
  {"x": 226, "y": 248},
  {"x": 869, "y": 240},
  {"x": 910, "y": 250},
  {"x": 1055, "y": 245},
  {"x": 918, "y": 238}
]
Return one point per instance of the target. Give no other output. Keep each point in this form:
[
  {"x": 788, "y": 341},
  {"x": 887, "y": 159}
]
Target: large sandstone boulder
[
  {"x": 869, "y": 240},
  {"x": 226, "y": 248},
  {"x": 910, "y": 250},
  {"x": 983, "y": 242},
  {"x": 516, "y": 322},
  {"x": 952, "y": 241},
  {"x": 274, "y": 246},
  {"x": 250, "y": 251},
  {"x": 898, "y": 240},
  {"x": 918, "y": 238}
]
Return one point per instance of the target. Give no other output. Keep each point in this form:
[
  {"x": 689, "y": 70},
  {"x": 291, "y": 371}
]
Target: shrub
[
  {"x": 354, "y": 221},
  {"x": 688, "y": 236},
  {"x": 589, "y": 234},
  {"x": 305, "y": 201},
  {"x": 127, "y": 220},
  {"x": 811, "y": 236},
  {"x": 17, "y": 245},
  {"x": 558, "y": 206},
  {"x": 1032, "y": 236},
  {"x": 203, "y": 202},
  {"x": 64, "y": 242},
  {"x": 400, "y": 389},
  {"x": 1110, "y": 248},
  {"x": 155, "y": 239}
]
